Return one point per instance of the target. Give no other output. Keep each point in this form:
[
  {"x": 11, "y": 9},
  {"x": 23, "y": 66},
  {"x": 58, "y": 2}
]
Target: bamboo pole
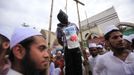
[
  {"x": 87, "y": 22},
  {"x": 66, "y": 7},
  {"x": 79, "y": 21},
  {"x": 50, "y": 23}
]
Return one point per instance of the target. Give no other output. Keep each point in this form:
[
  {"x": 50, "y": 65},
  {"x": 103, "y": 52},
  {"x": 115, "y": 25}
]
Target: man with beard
[
  {"x": 4, "y": 49},
  {"x": 67, "y": 35},
  {"x": 29, "y": 54},
  {"x": 118, "y": 60}
]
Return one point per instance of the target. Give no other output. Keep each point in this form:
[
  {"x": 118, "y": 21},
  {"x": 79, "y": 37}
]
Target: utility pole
[
  {"x": 66, "y": 7},
  {"x": 87, "y": 22},
  {"x": 82, "y": 43},
  {"x": 79, "y": 20},
  {"x": 50, "y": 23}
]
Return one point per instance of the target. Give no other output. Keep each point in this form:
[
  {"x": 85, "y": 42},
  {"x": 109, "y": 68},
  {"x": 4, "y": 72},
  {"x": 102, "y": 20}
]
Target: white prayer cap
[
  {"x": 87, "y": 51},
  {"x": 21, "y": 34},
  {"x": 109, "y": 28},
  {"x": 5, "y": 31},
  {"x": 91, "y": 45},
  {"x": 99, "y": 46},
  {"x": 59, "y": 52},
  {"x": 131, "y": 37},
  {"x": 128, "y": 38}
]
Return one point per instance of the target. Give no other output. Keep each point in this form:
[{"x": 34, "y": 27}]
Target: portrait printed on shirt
[{"x": 71, "y": 36}]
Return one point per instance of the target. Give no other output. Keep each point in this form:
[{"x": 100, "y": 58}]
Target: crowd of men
[{"x": 26, "y": 52}]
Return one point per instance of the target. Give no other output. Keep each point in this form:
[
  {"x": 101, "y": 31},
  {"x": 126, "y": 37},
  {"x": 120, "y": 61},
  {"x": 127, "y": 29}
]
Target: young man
[
  {"x": 94, "y": 54},
  {"x": 67, "y": 37},
  {"x": 29, "y": 54},
  {"x": 100, "y": 49},
  {"x": 4, "y": 49},
  {"x": 117, "y": 61}
]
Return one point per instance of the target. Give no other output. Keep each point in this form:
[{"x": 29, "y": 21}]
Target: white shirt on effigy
[{"x": 108, "y": 64}]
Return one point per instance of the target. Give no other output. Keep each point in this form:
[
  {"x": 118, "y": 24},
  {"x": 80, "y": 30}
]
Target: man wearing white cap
[
  {"x": 94, "y": 55},
  {"x": 100, "y": 49},
  {"x": 4, "y": 49},
  {"x": 118, "y": 61},
  {"x": 29, "y": 54}
]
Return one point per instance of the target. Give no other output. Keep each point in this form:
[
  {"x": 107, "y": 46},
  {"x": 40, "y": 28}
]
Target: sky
[{"x": 36, "y": 13}]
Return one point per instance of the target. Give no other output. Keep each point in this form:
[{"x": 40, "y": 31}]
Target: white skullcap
[
  {"x": 5, "y": 31},
  {"x": 59, "y": 52},
  {"x": 92, "y": 45},
  {"x": 131, "y": 37},
  {"x": 87, "y": 51},
  {"x": 128, "y": 38},
  {"x": 109, "y": 28},
  {"x": 21, "y": 34},
  {"x": 99, "y": 46}
]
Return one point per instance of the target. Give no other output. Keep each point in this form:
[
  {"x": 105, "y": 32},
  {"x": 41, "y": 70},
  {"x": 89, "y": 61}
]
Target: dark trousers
[{"x": 73, "y": 61}]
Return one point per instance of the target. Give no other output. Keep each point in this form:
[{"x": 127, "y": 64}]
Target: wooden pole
[
  {"x": 87, "y": 22},
  {"x": 50, "y": 23},
  {"x": 79, "y": 21},
  {"x": 66, "y": 7}
]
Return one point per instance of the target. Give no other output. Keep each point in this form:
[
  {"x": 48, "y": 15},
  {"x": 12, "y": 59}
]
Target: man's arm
[{"x": 59, "y": 34}]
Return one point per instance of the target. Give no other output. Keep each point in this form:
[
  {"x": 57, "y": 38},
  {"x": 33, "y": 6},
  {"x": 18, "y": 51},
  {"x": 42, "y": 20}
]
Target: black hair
[
  {"x": 107, "y": 36},
  {"x": 3, "y": 39},
  {"x": 26, "y": 44},
  {"x": 133, "y": 41}
]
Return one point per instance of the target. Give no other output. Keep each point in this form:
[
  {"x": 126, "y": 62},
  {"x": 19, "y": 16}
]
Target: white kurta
[
  {"x": 92, "y": 61},
  {"x": 57, "y": 71},
  {"x": 13, "y": 72},
  {"x": 108, "y": 64},
  {"x": 52, "y": 68}
]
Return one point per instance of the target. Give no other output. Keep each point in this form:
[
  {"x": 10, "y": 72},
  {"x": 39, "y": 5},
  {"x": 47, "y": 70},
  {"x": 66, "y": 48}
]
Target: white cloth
[
  {"x": 92, "y": 61},
  {"x": 57, "y": 71},
  {"x": 130, "y": 63},
  {"x": 52, "y": 68},
  {"x": 13, "y": 72},
  {"x": 108, "y": 64}
]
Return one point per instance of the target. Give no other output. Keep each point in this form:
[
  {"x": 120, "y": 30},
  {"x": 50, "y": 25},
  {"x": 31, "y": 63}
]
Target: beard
[
  {"x": 118, "y": 50},
  {"x": 29, "y": 67}
]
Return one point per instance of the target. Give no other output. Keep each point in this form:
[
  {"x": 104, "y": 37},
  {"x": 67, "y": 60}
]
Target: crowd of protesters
[{"x": 25, "y": 52}]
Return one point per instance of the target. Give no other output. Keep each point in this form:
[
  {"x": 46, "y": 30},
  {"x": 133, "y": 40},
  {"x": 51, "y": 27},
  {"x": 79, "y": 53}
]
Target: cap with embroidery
[
  {"x": 91, "y": 45},
  {"x": 109, "y": 28},
  {"x": 21, "y": 34}
]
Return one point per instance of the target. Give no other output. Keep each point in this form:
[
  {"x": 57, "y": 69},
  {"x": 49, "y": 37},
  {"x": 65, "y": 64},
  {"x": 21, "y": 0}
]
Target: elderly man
[
  {"x": 29, "y": 54},
  {"x": 118, "y": 60}
]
